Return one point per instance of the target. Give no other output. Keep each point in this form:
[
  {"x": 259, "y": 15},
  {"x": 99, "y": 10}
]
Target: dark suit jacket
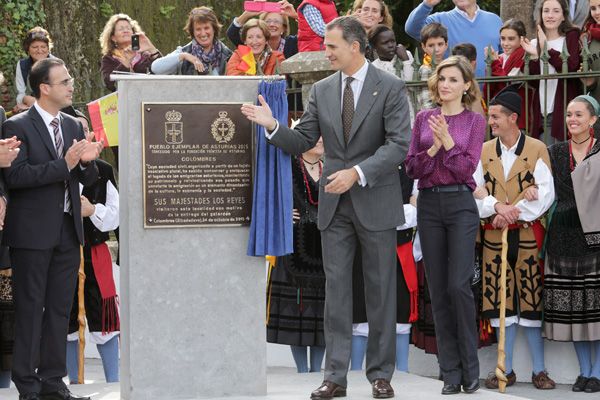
[
  {"x": 2, "y": 185},
  {"x": 378, "y": 143},
  {"x": 35, "y": 182}
]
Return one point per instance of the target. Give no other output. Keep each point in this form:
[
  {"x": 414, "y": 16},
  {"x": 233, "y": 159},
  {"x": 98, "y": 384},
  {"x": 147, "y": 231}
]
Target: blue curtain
[{"x": 271, "y": 224}]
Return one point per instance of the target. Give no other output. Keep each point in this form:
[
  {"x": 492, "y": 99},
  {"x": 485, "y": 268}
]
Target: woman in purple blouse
[{"x": 444, "y": 152}]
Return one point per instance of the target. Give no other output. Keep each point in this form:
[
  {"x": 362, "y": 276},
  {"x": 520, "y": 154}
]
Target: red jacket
[
  {"x": 515, "y": 60},
  {"x": 308, "y": 40}
]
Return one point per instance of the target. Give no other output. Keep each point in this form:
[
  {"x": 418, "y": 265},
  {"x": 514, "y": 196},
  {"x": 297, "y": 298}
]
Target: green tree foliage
[{"x": 16, "y": 18}]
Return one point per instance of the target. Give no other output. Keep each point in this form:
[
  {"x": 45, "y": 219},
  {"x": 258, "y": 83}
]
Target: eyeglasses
[
  {"x": 66, "y": 83},
  {"x": 273, "y": 22}
]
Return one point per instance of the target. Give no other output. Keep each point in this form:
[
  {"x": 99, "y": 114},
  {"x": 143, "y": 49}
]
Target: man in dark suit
[
  {"x": 363, "y": 115},
  {"x": 44, "y": 229}
]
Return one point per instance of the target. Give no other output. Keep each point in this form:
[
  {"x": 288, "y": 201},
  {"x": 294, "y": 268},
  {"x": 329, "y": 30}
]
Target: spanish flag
[
  {"x": 247, "y": 63},
  {"x": 104, "y": 117}
]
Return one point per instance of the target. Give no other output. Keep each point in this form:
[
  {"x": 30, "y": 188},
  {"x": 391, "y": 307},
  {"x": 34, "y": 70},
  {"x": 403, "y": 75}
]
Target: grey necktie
[
  {"x": 59, "y": 144},
  {"x": 347, "y": 108}
]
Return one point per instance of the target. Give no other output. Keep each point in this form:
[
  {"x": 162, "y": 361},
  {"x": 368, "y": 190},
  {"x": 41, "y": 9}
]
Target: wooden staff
[
  {"x": 81, "y": 318},
  {"x": 501, "y": 365}
]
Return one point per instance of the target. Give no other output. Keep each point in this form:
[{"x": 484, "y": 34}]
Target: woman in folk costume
[
  {"x": 296, "y": 284},
  {"x": 100, "y": 209},
  {"x": 572, "y": 270},
  {"x": 591, "y": 35},
  {"x": 406, "y": 286}
]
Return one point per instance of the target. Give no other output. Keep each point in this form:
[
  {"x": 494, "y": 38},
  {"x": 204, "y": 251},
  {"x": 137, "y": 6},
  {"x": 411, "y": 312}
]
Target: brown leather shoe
[
  {"x": 382, "y": 389},
  {"x": 491, "y": 382},
  {"x": 328, "y": 390},
  {"x": 542, "y": 381}
]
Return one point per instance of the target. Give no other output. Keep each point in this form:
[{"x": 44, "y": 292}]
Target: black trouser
[
  {"x": 448, "y": 223},
  {"x": 43, "y": 287}
]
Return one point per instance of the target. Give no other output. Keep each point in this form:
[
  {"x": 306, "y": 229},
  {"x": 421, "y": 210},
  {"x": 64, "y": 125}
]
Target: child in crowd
[
  {"x": 313, "y": 16},
  {"x": 392, "y": 58},
  {"x": 469, "y": 51},
  {"x": 510, "y": 63},
  {"x": 434, "y": 42},
  {"x": 554, "y": 30}
]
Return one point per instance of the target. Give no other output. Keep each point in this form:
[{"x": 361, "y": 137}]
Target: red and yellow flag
[
  {"x": 104, "y": 117},
  {"x": 247, "y": 64}
]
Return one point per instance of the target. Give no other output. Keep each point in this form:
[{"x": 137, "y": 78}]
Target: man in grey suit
[{"x": 363, "y": 115}]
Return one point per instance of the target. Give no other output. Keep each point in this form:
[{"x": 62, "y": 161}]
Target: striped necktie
[{"x": 59, "y": 145}]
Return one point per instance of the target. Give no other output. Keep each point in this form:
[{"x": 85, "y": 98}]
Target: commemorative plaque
[{"x": 197, "y": 165}]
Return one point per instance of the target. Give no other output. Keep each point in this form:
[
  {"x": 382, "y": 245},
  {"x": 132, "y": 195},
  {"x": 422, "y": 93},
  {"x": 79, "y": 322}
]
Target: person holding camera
[{"x": 125, "y": 48}]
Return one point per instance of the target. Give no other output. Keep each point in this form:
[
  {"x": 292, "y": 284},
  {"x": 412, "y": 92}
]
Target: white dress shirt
[
  {"x": 529, "y": 210},
  {"x": 356, "y": 85},
  {"x": 48, "y": 118}
]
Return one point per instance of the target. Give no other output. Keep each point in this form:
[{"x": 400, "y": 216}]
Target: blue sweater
[{"x": 482, "y": 32}]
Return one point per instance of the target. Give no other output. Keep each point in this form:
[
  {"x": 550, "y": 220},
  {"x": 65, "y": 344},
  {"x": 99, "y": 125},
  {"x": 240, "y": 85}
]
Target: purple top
[{"x": 452, "y": 167}]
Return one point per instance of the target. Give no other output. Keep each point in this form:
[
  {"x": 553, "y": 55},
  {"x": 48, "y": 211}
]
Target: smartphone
[
  {"x": 262, "y": 6},
  {"x": 135, "y": 42}
]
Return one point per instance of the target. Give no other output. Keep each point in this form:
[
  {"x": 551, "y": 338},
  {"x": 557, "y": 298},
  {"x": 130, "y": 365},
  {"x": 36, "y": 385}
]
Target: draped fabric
[{"x": 271, "y": 224}]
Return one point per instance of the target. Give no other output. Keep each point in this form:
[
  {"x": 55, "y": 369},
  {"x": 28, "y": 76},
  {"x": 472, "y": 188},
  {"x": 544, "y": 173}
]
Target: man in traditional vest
[{"x": 515, "y": 188}]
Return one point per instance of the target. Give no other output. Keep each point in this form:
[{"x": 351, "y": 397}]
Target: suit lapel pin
[{"x": 375, "y": 93}]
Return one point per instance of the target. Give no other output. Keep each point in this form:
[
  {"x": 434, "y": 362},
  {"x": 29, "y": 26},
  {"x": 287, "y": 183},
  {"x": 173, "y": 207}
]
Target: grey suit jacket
[{"x": 378, "y": 144}]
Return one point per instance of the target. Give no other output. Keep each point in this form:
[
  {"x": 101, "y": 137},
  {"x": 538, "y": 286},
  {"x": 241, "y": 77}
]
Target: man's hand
[
  {"x": 82, "y": 151},
  {"x": 499, "y": 222},
  {"x": 432, "y": 3},
  {"x": 87, "y": 208},
  {"x": 341, "y": 181},
  {"x": 510, "y": 213},
  {"x": 261, "y": 115},
  {"x": 9, "y": 150},
  {"x": 91, "y": 151},
  {"x": 295, "y": 215},
  {"x": 531, "y": 193}
]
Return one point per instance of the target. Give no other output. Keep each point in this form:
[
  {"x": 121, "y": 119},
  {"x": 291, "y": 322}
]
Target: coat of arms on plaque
[
  {"x": 173, "y": 127},
  {"x": 223, "y": 128}
]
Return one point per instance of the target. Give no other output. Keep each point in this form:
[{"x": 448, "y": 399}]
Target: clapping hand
[
  {"x": 82, "y": 151},
  {"x": 261, "y": 115},
  {"x": 541, "y": 37},
  {"x": 493, "y": 53},
  {"x": 529, "y": 47},
  {"x": 439, "y": 126},
  {"x": 9, "y": 150}
]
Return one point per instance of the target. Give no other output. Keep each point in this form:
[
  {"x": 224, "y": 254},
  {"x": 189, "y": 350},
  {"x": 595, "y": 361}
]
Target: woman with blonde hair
[
  {"x": 117, "y": 52},
  {"x": 444, "y": 152},
  {"x": 204, "y": 55},
  {"x": 255, "y": 35},
  {"x": 279, "y": 26}
]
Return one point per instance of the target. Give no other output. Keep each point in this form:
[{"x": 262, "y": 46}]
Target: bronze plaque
[{"x": 197, "y": 165}]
